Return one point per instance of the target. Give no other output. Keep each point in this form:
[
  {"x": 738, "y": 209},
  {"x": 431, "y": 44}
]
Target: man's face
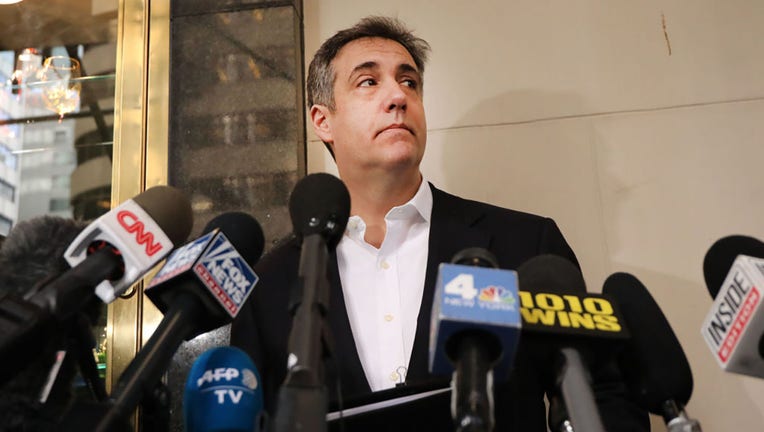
[{"x": 378, "y": 121}]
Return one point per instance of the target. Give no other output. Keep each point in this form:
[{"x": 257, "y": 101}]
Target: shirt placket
[{"x": 389, "y": 310}]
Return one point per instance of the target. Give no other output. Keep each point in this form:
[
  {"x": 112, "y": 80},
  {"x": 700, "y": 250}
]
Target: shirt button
[
  {"x": 395, "y": 377},
  {"x": 388, "y": 317},
  {"x": 385, "y": 265}
]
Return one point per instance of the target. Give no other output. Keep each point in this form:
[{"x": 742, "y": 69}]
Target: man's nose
[{"x": 397, "y": 98}]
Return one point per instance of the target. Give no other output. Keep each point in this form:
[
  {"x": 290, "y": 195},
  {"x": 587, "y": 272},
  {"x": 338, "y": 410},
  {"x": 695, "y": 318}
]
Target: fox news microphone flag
[
  {"x": 218, "y": 261},
  {"x": 143, "y": 229},
  {"x": 223, "y": 393}
]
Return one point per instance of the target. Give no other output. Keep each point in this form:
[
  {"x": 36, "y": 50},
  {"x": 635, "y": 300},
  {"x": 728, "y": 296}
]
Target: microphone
[
  {"x": 220, "y": 260},
  {"x": 36, "y": 386},
  {"x": 201, "y": 286},
  {"x": 475, "y": 326},
  {"x": 734, "y": 326},
  {"x": 33, "y": 253},
  {"x": 564, "y": 322},
  {"x": 113, "y": 263},
  {"x": 142, "y": 230},
  {"x": 223, "y": 393},
  {"x": 652, "y": 362},
  {"x": 319, "y": 207},
  {"x": 721, "y": 255}
]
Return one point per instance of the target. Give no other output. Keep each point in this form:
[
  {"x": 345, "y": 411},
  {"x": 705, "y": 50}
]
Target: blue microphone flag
[
  {"x": 469, "y": 297},
  {"x": 223, "y": 392}
]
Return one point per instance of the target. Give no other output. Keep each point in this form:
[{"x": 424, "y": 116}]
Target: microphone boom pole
[{"x": 319, "y": 207}]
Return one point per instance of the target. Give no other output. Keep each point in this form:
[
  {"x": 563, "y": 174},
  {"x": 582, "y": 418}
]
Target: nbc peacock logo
[{"x": 496, "y": 294}]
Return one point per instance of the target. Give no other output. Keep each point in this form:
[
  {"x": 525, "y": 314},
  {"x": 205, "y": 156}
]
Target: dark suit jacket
[{"x": 262, "y": 326}]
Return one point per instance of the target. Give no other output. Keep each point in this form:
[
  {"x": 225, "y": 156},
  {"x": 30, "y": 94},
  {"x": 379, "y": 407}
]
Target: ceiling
[{"x": 46, "y": 23}]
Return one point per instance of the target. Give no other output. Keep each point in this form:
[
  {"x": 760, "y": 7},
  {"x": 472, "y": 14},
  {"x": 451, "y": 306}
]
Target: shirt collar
[{"x": 420, "y": 203}]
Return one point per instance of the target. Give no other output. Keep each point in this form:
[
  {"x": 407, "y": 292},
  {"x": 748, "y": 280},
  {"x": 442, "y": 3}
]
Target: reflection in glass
[
  {"x": 28, "y": 65},
  {"x": 61, "y": 89}
]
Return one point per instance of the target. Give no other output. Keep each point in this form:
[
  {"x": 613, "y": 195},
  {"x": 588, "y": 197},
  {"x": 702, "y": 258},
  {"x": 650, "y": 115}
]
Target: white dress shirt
[{"x": 383, "y": 287}]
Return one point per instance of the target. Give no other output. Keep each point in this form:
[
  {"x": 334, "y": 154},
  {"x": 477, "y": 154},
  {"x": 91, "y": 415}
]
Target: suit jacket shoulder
[{"x": 513, "y": 236}]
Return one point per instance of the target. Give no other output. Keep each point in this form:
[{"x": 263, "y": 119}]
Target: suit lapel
[{"x": 452, "y": 228}]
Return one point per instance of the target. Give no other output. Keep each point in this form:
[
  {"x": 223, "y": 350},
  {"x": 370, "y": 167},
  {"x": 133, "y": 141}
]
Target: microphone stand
[
  {"x": 144, "y": 371},
  {"x": 577, "y": 393},
  {"x": 677, "y": 420},
  {"x": 302, "y": 400},
  {"x": 83, "y": 343},
  {"x": 472, "y": 383},
  {"x": 558, "y": 415}
]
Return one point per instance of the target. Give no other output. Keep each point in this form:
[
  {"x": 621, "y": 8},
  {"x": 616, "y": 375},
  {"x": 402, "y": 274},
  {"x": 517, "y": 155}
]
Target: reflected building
[
  {"x": 38, "y": 157},
  {"x": 9, "y": 147}
]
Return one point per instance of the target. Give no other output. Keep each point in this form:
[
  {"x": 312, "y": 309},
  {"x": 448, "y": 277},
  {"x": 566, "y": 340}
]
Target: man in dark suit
[{"x": 365, "y": 98}]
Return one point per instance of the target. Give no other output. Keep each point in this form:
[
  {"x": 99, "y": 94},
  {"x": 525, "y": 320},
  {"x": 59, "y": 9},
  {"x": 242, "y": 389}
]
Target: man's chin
[{"x": 403, "y": 160}]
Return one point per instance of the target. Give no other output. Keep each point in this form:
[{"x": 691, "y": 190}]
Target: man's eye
[
  {"x": 411, "y": 83},
  {"x": 368, "y": 82}
]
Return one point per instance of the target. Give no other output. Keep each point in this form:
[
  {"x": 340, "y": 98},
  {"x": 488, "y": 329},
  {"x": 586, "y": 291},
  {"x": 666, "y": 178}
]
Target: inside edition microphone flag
[{"x": 734, "y": 326}]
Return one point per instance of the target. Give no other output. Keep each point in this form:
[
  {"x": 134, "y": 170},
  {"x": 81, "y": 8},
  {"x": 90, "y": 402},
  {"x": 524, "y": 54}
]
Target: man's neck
[{"x": 372, "y": 199}]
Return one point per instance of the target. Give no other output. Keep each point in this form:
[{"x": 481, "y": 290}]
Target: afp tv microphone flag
[{"x": 223, "y": 393}]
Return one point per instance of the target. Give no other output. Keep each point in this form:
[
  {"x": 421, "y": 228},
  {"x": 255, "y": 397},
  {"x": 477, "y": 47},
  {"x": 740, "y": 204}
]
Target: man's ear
[{"x": 319, "y": 117}]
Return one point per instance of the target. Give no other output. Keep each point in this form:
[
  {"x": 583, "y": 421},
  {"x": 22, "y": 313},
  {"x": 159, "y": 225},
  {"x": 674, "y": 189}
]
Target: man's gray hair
[{"x": 321, "y": 75}]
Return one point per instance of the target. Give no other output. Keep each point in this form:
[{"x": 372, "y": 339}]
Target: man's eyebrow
[
  {"x": 372, "y": 65},
  {"x": 365, "y": 66},
  {"x": 405, "y": 67}
]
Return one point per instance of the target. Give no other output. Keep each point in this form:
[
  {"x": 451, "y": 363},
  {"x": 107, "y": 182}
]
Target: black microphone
[
  {"x": 201, "y": 286},
  {"x": 33, "y": 252},
  {"x": 652, "y": 362},
  {"x": 37, "y": 387},
  {"x": 721, "y": 255},
  {"x": 565, "y": 324},
  {"x": 319, "y": 207}
]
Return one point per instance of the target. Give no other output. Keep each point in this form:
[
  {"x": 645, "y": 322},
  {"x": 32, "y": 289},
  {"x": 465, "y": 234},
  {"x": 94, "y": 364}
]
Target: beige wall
[{"x": 578, "y": 111}]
